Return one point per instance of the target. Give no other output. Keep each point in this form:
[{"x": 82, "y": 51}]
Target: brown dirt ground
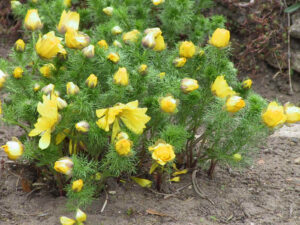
[{"x": 266, "y": 193}]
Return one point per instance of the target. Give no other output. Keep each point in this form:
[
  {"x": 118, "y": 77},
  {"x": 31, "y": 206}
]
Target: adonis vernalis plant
[{"x": 111, "y": 88}]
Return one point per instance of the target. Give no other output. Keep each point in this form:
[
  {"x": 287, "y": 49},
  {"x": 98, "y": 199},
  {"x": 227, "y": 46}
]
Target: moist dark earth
[{"x": 267, "y": 193}]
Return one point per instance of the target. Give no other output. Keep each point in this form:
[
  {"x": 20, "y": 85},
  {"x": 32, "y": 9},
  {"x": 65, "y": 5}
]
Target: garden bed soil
[{"x": 266, "y": 193}]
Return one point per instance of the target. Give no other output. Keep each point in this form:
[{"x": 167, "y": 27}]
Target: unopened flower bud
[
  {"x": 64, "y": 165},
  {"x": 116, "y": 30},
  {"x": 117, "y": 44},
  {"x": 89, "y": 51},
  {"x": 18, "y": 72},
  {"x": 13, "y": 149},
  {"x": 77, "y": 185},
  {"x": 80, "y": 216},
  {"x": 82, "y": 126},
  {"x": 168, "y": 104},
  {"x": 108, "y": 11},
  {"x": 91, "y": 81},
  {"x": 143, "y": 69},
  {"x": 179, "y": 62},
  {"x": 121, "y": 77},
  {"x": 188, "y": 85},
  {"x": 114, "y": 57},
  {"x": 48, "y": 89},
  {"x": 72, "y": 88},
  {"x": 61, "y": 103},
  {"x": 36, "y": 87},
  {"x": 20, "y": 45},
  {"x": 103, "y": 44}
]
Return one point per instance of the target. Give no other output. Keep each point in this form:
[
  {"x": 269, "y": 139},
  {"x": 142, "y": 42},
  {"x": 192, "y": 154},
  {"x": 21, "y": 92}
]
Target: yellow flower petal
[
  {"x": 45, "y": 139},
  {"x": 180, "y": 172},
  {"x": 142, "y": 182},
  {"x": 175, "y": 179}
]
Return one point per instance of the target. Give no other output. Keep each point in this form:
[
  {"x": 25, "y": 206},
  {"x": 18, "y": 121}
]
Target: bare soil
[{"x": 266, "y": 193}]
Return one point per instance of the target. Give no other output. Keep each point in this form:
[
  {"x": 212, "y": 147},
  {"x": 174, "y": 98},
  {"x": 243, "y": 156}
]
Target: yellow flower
[
  {"x": 36, "y": 87},
  {"x": 20, "y": 45},
  {"x": 237, "y": 157},
  {"x": 47, "y": 70},
  {"x": 3, "y": 77},
  {"x": 80, "y": 216},
  {"x": 221, "y": 89},
  {"x": 91, "y": 81},
  {"x": 48, "y": 46},
  {"x": 187, "y": 49},
  {"x": 49, "y": 117},
  {"x": 72, "y": 88},
  {"x": 179, "y": 62},
  {"x": 168, "y": 104},
  {"x": 48, "y": 89},
  {"x": 121, "y": 77},
  {"x": 116, "y": 30},
  {"x": 133, "y": 117},
  {"x": 151, "y": 38},
  {"x": 123, "y": 147},
  {"x": 159, "y": 43},
  {"x": 18, "y": 72},
  {"x": 67, "y": 3},
  {"x": 68, "y": 20},
  {"x": 162, "y": 153},
  {"x": 117, "y": 44},
  {"x": 220, "y": 38},
  {"x": 89, "y": 51},
  {"x": 188, "y": 85},
  {"x": 64, "y": 165},
  {"x": 292, "y": 112},
  {"x": 157, "y": 2},
  {"x": 77, "y": 185},
  {"x": 103, "y": 44},
  {"x": 247, "y": 83},
  {"x": 82, "y": 126},
  {"x": 14, "y": 149},
  {"x": 114, "y": 57},
  {"x": 76, "y": 40},
  {"x": 131, "y": 36},
  {"x": 234, "y": 104},
  {"x": 143, "y": 69},
  {"x": 66, "y": 221},
  {"x": 32, "y": 20},
  {"x": 274, "y": 115},
  {"x": 108, "y": 11}
]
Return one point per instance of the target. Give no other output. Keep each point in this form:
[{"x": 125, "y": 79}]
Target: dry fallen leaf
[
  {"x": 260, "y": 162},
  {"x": 154, "y": 212}
]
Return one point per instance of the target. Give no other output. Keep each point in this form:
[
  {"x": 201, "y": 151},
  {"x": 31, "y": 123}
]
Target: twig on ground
[
  {"x": 166, "y": 196},
  {"x": 244, "y": 4},
  {"x": 197, "y": 188},
  {"x": 105, "y": 202}
]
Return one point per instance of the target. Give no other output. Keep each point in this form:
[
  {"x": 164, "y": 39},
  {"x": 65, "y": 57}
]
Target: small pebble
[{"x": 297, "y": 161}]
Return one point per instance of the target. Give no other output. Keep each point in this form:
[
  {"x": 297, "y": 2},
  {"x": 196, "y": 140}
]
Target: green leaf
[{"x": 292, "y": 8}]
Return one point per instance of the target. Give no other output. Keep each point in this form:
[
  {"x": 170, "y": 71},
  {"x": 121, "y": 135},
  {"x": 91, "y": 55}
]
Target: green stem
[{"x": 15, "y": 123}]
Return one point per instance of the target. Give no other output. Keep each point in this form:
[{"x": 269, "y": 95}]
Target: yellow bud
[
  {"x": 61, "y": 103},
  {"x": 143, "y": 69},
  {"x": 108, "y": 11},
  {"x": 15, "y": 4},
  {"x": 36, "y": 87},
  {"x": 64, "y": 165},
  {"x": 48, "y": 89},
  {"x": 247, "y": 83},
  {"x": 76, "y": 40},
  {"x": 47, "y": 70},
  {"x": 237, "y": 157},
  {"x": 274, "y": 115},
  {"x": 32, "y": 20},
  {"x": 220, "y": 38},
  {"x": 159, "y": 44},
  {"x": 80, "y": 216},
  {"x": 18, "y": 72},
  {"x": 122, "y": 135},
  {"x": 292, "y": 112},
  {"x": 82, "y": 126},
  {"x": 157, "y": 2},
  {"x": 114, "y": 57},
  {"x": 98, "y": 176},
  {"x": 67, "y": 3},
  {"x": 66, "y": 221},
  {"x": 20, "y": 45},
  {"x": 3, "y": 77},
  {"x": 49, "y": 46},
  {"x": 72, "y": 88},
  {"x": 187, "y": 49},
  {"x": 68, "y": 20},
  {"x": 188, "y": 85},
  {"x": 77, "y": 185},
  {"x": 117, "y": 44},
  {"x": 14, "y": 149},
  {"x": 234, "y": 104},
  {"x": 89, "y": 51},
  {"x": 179, "y": 62},
  {"x": 131, "y": 36},
  {"x": 121, "y": 77},
  {"x": 162, "y": 75},
  {"x": 91, "y": 81},
  {"x": 34, "y": 1},
  {"x": 116, "y": 30},
  {"x": 123, "y": 147},
  {"x": 168, "y": 104},
  {"x": 103, "y": 44}
]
